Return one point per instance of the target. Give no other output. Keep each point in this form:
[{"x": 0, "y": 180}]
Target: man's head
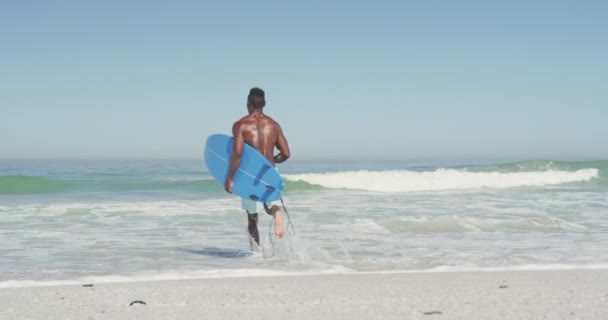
[{"x": 256, "y": 99}]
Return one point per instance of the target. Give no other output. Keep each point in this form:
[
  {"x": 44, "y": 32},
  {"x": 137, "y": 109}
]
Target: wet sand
[{"x": 559, "y": 294}]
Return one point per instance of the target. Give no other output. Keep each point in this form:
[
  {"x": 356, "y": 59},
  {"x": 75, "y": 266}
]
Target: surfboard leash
[{"x": 289, "y": 224}]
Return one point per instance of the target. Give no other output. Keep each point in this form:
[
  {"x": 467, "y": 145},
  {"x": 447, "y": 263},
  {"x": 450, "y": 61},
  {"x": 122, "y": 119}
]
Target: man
[{"x": 264, "y": 134}]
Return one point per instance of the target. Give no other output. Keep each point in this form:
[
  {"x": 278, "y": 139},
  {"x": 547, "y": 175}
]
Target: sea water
[{"x": 123, "y": 221}]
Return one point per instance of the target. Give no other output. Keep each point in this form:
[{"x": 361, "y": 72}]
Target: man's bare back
[{"x": 261, "y": 132}]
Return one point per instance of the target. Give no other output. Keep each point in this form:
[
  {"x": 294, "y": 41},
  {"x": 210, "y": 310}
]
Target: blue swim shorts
[{"x": 252, "y": 206}]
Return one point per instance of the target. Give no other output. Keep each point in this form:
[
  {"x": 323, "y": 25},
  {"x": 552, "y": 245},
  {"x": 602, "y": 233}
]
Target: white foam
[
  {"x": 472, "y": 224},
  {"x": 242, "y": 273},
  {"x": 527, "y": 267},
  {"x": 160, "y": 208},
  {"x": 202, "y": 274},
  {"x": 440, "y": 179},
  {"x": 369, "y": 226}
]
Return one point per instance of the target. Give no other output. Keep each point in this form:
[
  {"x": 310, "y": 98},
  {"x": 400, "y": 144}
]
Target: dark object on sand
[
  {"x": 503, "y": 287},
  {"x": 137, "y": 302},
  {"x": 87, "y": 285},
  {"x": 432, "y": 313}
]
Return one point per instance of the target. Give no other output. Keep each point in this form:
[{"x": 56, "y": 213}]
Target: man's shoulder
[{"x": 272, "y": 120}]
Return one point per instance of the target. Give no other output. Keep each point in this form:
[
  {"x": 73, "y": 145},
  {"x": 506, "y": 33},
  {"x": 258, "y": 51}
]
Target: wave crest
[{"x": 440, "y": 179}]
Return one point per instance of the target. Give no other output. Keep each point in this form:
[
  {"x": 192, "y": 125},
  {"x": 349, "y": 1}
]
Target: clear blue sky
[{"x": 348, "y": 80}]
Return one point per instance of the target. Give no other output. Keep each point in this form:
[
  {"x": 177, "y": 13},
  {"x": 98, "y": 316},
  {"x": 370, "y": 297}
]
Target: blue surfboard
[{"x": 256, "y": 178}]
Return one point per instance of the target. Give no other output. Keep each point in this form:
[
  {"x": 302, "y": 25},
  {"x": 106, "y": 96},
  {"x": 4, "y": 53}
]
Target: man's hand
[{"x": 228, "y": 185}]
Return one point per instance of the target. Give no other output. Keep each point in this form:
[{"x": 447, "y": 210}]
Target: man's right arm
[
  {"x": 237, "y": 152},
  {"x": 283, "y": 147}
]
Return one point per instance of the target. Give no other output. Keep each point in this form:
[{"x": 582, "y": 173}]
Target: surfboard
[{"x": 256, "y": 178}]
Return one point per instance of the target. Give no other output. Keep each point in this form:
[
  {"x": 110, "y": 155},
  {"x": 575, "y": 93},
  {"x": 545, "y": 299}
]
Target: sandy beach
[{"x": 560, "y": 294}]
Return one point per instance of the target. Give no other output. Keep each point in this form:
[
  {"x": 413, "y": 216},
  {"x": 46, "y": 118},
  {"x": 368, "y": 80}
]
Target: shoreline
[
  {"x": 263, "y": 273},
  {"x": 554, "y": 294}
]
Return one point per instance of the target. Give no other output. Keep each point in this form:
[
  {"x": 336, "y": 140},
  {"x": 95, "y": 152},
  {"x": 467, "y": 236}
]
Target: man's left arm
[{"x": 283, "y": 147}]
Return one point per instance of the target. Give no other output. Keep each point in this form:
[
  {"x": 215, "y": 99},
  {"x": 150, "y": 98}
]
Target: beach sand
[{"x": 558, "y": 294}]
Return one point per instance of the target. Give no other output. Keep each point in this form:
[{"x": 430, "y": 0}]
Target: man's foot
[{"x": 278, "y": 224}]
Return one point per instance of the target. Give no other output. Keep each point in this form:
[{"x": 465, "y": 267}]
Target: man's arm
[
  {"x": 283, "y": 147},
  {"x": 237, "y": 153}
]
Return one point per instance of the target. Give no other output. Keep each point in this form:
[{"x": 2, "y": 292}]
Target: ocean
[{"x": 71, "y": 222}]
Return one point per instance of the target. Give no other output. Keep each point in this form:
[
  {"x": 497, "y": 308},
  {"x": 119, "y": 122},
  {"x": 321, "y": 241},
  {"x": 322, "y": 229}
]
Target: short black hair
[{"x": 257, "y": 97}]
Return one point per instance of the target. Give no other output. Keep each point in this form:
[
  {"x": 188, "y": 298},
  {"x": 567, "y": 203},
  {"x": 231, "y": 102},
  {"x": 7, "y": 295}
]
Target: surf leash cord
[{"x": 289, "y": 224}]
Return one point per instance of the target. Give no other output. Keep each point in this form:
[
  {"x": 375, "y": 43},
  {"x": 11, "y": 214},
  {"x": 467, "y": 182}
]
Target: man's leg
[
  {"x": 277, "y": 213},
  {"x": 251, "y": 207},
  {"x": 252, "y": 226}
]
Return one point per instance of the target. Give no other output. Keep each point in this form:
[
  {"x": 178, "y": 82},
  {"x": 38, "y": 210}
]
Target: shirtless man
[{"x": 264, "y": 134}]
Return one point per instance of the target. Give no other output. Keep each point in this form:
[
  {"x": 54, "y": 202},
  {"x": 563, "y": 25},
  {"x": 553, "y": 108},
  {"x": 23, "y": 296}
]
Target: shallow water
[{"x": 67, "y": 221}]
